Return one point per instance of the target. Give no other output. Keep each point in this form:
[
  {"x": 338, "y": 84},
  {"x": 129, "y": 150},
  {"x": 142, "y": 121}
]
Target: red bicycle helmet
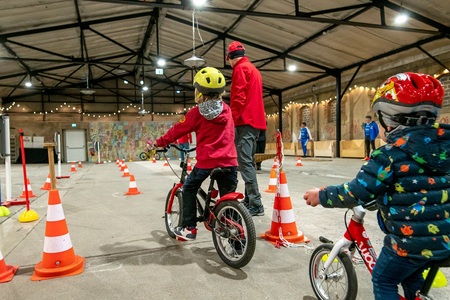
[{"x": 408, "y": 94}]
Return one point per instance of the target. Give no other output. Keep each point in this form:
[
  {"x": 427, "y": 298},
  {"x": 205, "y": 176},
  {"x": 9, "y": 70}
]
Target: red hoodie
[
  {"x": 215, "y": 138},
  {"x": 246, "y": 99}
]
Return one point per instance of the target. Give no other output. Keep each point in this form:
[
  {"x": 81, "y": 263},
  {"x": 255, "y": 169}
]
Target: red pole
[{"x": 22, "y": 151}]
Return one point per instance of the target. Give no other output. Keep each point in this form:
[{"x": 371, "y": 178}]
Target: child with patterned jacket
[
  {"x": 213, "y": 125},
  {"x": 410, "y": 179}
]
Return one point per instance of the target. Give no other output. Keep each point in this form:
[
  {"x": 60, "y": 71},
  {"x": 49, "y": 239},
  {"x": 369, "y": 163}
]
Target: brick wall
[{"x": 445, "y": 80}]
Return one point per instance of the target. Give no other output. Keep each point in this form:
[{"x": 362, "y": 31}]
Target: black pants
[
  {"x": 260, "y": 148},
  {"x": 368, "y": 142},
  {"x": 227, "y": 183}
]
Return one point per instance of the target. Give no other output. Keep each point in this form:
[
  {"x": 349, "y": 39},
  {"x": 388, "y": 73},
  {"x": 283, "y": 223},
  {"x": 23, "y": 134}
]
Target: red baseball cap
[{"x": 235, "y": 49}]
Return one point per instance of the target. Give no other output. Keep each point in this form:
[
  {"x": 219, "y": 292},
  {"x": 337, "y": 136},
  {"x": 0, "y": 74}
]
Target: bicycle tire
[
  {"x": 173, "y": 219},
  {"x": 340, "y": 282},
  {"x": 157, "y": 156},
  {"x": 143, "y": 156},
  {"x": 237, "y": 248}
]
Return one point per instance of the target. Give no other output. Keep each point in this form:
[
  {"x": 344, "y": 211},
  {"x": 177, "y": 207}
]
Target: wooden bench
[{"x": 260, "y": 157}]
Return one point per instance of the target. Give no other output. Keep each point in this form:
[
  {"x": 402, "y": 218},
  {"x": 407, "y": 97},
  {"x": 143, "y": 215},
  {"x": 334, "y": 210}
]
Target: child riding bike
[
  {"x": 409, "y": 177},
  {"x": 213, "y": 124}
]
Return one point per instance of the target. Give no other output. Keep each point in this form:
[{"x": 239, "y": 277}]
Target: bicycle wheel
[
  {"x": 143, "y": 156},
  {"x": 157, "y": 156},
  {"x": 173, "y": 219},
  {"x": 339, "y": 282},
  {"x": 234, "y": 236}
]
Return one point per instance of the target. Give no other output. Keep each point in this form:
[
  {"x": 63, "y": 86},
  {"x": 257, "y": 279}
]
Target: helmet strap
[{"x": 380, "y": 118}]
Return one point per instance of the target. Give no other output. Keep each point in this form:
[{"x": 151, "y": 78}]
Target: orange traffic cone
[
  {"x": 154, "y": 160},
  {"x": 122, "y": 167},
  {"x": 275, "y": 163},
  {"x": 47, "y": 185},
  {"x": 166, "y": 162},
  {"x": 59, "y": 258},
  {"x": 299, "y": 162},
  {"x": 189, "y": 166},
  {"x": 119, "y": 164},
  {"x": 30, "y": 192},
  {"x": 272, "y": 182},
  {"x": 6, "y": 272},
  {"x": 132, "y": 188},
  {"x": 117, "y": 161},
  {"x": 80, "y": 165},
  {"x": 126, "y": 173},
  {"x": 72, "y": 167},
  {"x": 283, "y": 218}
]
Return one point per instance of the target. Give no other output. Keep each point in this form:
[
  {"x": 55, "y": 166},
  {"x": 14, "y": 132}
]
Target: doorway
[{"x": 75, "y": 144}]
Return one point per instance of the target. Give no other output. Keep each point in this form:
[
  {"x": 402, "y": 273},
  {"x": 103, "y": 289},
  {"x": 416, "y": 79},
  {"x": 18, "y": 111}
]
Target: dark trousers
[
  {"x": 260, "y": 148},
  {"x": 368, "y": 142},
  {"x": 227, "y": 183}
]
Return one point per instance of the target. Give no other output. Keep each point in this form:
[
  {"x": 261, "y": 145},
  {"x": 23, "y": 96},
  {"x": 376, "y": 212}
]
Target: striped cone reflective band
[
  {"x": 30, "y": 192},
  {"x": 283, "y": 217},
  {"x": 189, "y": 166},
  {"x": 154, "y": 160},
  {"x": 126, "y": 173},
  {"x": 117, "y": 161},
  {"x": 299, "y": 162},
  {"x": 80, "y": 165},
  {"x": 59, "y": 258},
  {"x": 272, "y": 188},
  {"x": 275, "y": 163},
  {"x": 166, "y": 162},
  {"x": 47, "y": 185},
  {"x": 6, "y": 272},
  {"x": 72, "y": 167},
  {"x": 132, "y": 188}
]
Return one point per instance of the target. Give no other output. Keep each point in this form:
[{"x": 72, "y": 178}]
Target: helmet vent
[{"x": 208, "y": 80}]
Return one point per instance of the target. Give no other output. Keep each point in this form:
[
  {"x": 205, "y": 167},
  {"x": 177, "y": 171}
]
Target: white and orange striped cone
[
  {"x": 119, "y": 164},
  {"x": 272, "y": 188},
  {"x": 154, "y": 160},
  {"x": 6, "y": 272},
  {"x": 117, "y": 161},
  {"x": 47, "y": 185},
  {"x": 299, "y": 162},
  {"x": 80, "y": 165},
  {"x": 189, "y": 166},
  {"x": 58, "y": 258},
  {"x": 283, "y": 226},
  {"x": 122, "y": 167},
  {"x": 166, "y": 162},
  {"x": 132, "y": 188},
  {"x": 30, "y": 192},
  {"x": 126, "y": 173},
  {"x": 72, "y": 167},
  {"x": 275, "y": 163}
]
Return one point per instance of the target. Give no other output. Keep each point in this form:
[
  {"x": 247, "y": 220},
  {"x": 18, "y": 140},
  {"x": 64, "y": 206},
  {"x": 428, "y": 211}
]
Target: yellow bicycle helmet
[{"x": 209, "y": 80}]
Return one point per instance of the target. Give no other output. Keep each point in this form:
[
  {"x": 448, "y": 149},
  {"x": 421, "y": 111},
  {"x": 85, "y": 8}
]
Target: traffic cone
[
  {"x": 117, "y": 161},
  {"x": 166, "y": 162},
  {"x": 72, "y": 167},
  {"x": 272, "y": 182},
  {"x": 154, "y": 160},
  {"x": 122, "y": 167},
  {"x": 126, "y": 173},
  {"x": 6, "y": 272},
  {"x": 47, "y": 185},
  {"x": 132, "y": 188},
  {"x": 30, "y": 192},
  {"x": 59, "y": 258},
  {"x": 283, "y": 217},
  {"x": 80, "y": 165},
  {"x": 299, "y": 162},
  {"x": 275, "y": 163},
  {"x": 189, "y": 166},
  {"x": 119, "y": 164}
]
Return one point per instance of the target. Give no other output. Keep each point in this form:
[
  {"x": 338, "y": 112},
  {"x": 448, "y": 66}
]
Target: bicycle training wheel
[
  {"x": 234, "y": 236},
  {"x": 173, "y": 219},
  {"x": 339, "y": 281},
  {"x": 143, "y": 156}
]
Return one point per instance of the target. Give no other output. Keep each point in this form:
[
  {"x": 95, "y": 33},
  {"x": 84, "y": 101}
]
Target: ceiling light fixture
[
  {"x": 87, "y": 90},
  {"x": 292, "y": 68},
  {"x": 125, "y": 81},
  {"x": 161, "y": 62},
  {"x": 145, "y": 88},
  {"x": 401, "y": 19},
  {"x": 199, "y": 3},
  {"x": 194, "y": 61},
  {"x": 29, "y": 83}
]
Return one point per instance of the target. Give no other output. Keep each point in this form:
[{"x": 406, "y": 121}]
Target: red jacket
[
  {"x": 246, "y": 100},
  {"x": 185, "y": 139},
  {"x": 215, "y": 138}
]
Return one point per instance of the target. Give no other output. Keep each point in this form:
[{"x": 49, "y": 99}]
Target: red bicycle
[
  {"x": 331, "y": 270},
  {"x": 232, "y": 227}
]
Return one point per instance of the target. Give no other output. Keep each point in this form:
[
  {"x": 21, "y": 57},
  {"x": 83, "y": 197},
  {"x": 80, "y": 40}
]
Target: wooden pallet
[{"x": 259, "y": 157}]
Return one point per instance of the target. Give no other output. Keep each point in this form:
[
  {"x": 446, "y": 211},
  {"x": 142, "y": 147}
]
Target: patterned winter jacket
[{"x": 410, "y": 178}]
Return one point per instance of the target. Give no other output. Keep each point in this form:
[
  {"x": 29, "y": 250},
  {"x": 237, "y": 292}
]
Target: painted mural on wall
[{"x": 124, "y": 140}]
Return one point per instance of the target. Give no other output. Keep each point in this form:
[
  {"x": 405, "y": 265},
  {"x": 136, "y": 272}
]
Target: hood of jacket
[{"x": 428, "y": 145}]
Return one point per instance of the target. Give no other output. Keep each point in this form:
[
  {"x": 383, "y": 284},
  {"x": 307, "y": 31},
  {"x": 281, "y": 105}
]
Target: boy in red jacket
[{"x": 213, "y": 125}]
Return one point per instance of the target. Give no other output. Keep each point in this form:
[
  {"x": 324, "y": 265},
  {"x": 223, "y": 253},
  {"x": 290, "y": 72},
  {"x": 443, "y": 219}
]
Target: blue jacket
[
  {"x": 371, "y": 130},
  {"x": 410, "y": 178}
]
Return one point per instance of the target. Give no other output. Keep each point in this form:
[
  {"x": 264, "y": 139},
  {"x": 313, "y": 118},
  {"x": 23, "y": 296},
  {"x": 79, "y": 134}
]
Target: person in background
[
  {"x": 247, "y": 107},
  {"x": 303, "y": 137},
  {"x": 409, "y": 178},
  {"x": 260, "y": 146},
  {"x": 371, "y": 131},
  {"x": 213, "y": 125},
  {"x": 184, "y": 143}
]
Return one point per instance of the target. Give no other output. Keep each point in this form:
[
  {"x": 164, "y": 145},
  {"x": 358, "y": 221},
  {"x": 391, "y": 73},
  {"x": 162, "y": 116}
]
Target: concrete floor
[{"x": 130, "y": 256}]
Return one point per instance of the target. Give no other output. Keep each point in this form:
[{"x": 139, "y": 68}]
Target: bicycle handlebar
[{"x": 165, "y": 149}]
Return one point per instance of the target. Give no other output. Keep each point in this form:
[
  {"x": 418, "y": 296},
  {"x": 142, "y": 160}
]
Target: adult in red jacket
[
  {"x": 213, "y": 125},
  {"x": 184, "y": 142},
  {"x": 247, "y": 107}
]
